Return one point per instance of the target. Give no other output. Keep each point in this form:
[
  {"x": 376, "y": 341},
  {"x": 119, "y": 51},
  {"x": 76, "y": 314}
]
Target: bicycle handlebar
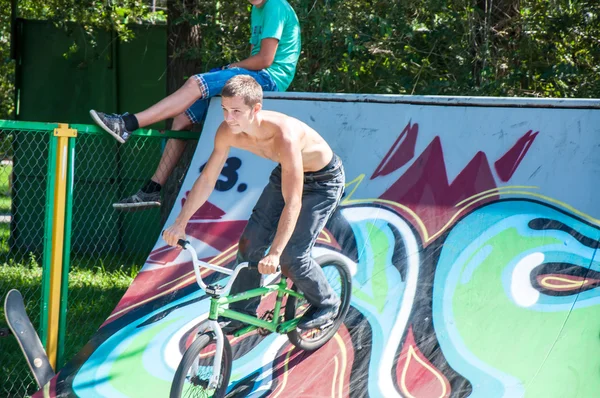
[{"x": 199, "y": 263}]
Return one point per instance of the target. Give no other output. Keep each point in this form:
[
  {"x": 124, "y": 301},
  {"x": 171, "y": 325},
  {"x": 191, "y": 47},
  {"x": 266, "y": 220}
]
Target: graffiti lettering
[{"x": 229, "y": 171}]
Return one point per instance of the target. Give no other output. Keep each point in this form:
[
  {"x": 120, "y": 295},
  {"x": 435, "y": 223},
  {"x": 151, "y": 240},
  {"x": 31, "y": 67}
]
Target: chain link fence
[
  {"x": 23, "y": 169},
  {"x": 108, "y": 247}
]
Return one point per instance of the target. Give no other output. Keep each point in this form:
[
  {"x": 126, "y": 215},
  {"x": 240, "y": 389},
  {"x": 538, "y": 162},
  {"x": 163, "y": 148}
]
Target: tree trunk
[
  {"x": 181, "y": 36},
  {"x": 491, "y": 17}
]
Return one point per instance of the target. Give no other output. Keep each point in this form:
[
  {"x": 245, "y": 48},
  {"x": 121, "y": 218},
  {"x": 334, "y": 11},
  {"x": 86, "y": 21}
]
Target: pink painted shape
[
  {"x": 508, "y": 164},
  {"x": 207, "y": 211},
  {"x": 424, "y": 187},
  {"x": 416, "y": 376},
  {"x": 401, "y": 152}
]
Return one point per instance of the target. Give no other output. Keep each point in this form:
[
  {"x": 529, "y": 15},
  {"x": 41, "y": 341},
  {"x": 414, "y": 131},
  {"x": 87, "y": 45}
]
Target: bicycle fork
[{"x": 213, "y": 326}]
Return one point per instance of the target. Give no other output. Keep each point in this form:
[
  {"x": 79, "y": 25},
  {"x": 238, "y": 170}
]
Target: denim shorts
[{"x": 212, "y": 83}]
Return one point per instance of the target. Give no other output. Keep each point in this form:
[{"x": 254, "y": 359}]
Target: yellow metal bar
[
  {"x": 63, "y": 130},
  {"x": 57, "y": 242}
]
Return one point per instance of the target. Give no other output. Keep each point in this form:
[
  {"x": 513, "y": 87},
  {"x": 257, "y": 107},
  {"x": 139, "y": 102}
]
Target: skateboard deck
[{"x": 25, "y": 333}]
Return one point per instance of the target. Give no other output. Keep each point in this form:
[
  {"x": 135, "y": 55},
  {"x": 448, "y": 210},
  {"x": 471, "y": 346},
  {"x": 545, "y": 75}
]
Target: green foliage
[
  {"x": 93, "y": 14},
  {"x": 430, "y": 47},
  {"x": 6, "y": 64},
  {"x": 219, "y": 31}
]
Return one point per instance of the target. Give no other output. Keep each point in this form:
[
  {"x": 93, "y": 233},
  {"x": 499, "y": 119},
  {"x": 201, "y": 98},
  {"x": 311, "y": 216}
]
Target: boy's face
[{"x": 237, "y": 114}]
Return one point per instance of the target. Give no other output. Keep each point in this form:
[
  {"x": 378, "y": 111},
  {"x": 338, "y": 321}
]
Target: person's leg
[
  {"x": 149, "y": 195},
  {"x": 265, "y": 80},
  {"x": 174, "y": 104},
  {"x": 296, "y": 261},
  {"x": 198, "y": 87},
  {"x": 196, "y": 114},
  {"x": 256, "y": 239},
  {"x": 121, "y": 126},
  {"x": 319, "y": 201},
  {"x": 172, "y": 152},
  {"x": 253, "y": 244}
]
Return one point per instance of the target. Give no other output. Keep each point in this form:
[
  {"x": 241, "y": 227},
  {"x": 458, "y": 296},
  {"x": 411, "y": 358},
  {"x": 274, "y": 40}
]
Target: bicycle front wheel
[
  {"x": 340, "y": 280},
  {"x": 196, "y": 367}
]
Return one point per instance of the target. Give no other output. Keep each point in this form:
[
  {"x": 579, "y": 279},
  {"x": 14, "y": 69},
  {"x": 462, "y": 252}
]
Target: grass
[
  {"x": 96, "y": 284},
  {"x": 16, "y": 380},
  {"x": 95, "y": 288},
  {"x": 93, "y": 294},
  {"x": 5, "y": 200}
]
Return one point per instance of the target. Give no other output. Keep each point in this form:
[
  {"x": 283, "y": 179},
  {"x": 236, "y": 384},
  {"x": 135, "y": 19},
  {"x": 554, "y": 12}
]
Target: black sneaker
[
  {"x": 317, "y": 317},
  {"x": 112, "y": 124},
  {"x": 140, "y": 201}
]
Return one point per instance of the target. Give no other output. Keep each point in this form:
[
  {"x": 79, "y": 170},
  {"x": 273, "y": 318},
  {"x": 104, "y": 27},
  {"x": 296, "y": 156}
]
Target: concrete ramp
[{"x": 471, "y": 226}]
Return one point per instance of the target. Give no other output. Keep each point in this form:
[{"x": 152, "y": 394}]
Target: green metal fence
[
  {"x": 23, "y": 201},
  {"x": 106, "y": 247}
]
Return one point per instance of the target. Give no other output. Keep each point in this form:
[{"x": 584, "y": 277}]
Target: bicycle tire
[
  {"x": 193, "y": 353},
  {"x": 294, "y": 308}
]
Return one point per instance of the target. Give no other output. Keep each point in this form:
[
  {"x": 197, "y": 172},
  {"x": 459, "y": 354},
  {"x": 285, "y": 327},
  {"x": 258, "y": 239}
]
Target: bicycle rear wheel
[
  {"x": 196, "y": 368},
  {"x": 340, "y": 280}
]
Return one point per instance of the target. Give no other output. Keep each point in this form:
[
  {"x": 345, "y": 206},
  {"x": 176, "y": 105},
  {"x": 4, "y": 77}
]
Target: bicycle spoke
[{"x": 196, "y": 369}]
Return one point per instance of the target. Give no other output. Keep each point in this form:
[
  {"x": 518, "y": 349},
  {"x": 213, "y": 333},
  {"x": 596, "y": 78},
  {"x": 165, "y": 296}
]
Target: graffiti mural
[{"x": 472, "y": 248}]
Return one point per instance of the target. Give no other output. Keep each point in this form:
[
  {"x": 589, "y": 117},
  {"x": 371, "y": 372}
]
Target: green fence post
[
  {"x": 66, "y": 255},
  {"x": 47, "y": 259}
]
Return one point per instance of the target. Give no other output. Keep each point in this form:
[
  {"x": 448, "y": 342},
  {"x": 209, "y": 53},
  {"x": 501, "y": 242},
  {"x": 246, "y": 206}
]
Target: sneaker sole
[
  {"x": 317, "y": 325},
  {"x": 135, "y": 206},
  {"x": 100, "y": 123}
]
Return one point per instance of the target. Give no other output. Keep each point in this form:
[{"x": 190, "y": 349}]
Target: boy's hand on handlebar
[
  {"x": 269, "y": 264},
  {"x": 172, "y": 234}
]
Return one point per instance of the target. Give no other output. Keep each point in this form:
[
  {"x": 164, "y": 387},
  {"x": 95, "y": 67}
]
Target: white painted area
[
  {"x": 521, "y": 289},
  {"x": 512, "y": 102},
  {"x": 172, "y": 356},
  {"x": 386, "y": 362},
  {"x": 562, "y": 165},
  {"x": 562, "y": 162}
]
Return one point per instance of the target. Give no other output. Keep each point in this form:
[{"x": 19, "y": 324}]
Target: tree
[
  {"x": 443, "y": 47},
  {"x": 201, "y": 34},
  {"x": 6, "y": 65}
]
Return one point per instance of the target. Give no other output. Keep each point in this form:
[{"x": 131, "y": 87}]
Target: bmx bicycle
[{"x": 205, "y": 367}]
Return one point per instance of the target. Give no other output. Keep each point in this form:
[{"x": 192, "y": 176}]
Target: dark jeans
[{"x": 322, "y": 192}]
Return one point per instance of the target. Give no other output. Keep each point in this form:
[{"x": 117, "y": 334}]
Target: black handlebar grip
[
  {"x": 183, "y": 243},
  {"x": 254, "y": 265}
]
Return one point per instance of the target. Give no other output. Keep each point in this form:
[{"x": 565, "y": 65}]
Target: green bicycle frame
[{"x": 217, "y": 308}]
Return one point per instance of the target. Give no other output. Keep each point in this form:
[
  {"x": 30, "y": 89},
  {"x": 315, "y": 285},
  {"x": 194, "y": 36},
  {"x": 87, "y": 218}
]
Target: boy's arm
[
  {"x": 274, "y": 22},
  {"x": 202, "y": 188},
  {"x": 262, "y": 60},
  {"x": 292, "y": 183}
]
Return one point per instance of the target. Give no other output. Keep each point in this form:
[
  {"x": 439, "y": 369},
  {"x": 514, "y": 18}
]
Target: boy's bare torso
[{"x": 316, "y": 153}]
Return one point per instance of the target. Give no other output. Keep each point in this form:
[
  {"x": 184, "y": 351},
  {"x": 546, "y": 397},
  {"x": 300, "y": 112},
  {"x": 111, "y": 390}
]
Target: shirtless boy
[{"x": 302, "y": 193}]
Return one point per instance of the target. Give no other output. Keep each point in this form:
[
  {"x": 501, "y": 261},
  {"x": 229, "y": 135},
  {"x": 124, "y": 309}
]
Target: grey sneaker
[
  {"x": 318, "y": 317},
  {"x": 140, "y": 201},
  {"x": 112, "y": 124}
]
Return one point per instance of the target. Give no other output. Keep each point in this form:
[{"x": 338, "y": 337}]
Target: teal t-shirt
[{"x": 277, "y": 19}]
